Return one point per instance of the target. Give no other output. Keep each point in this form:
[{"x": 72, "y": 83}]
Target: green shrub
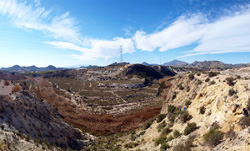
[
  {"x": 164, "y": 146},
  {"x": 191, "y": 76},
  {"x": 170, "y": 138},
  {"x": 184, "y": 117},
  {"x": 212, "y": 82},
  {"x": 230, "y": 81},
  {"x": 132, "y": 137},
  {"x": 171, "y": 108},
  {"x": 187, "y": 103},
  {"x": 162, "y": 86},
  {"x": 160, "y": 140},
  {"x": 202, "y": 110},
  {"x": 27, "y": 138},
  {"x": 198, "y": 74},
  {"x": 212, "y": 74},
  {"x": 184, "y": 146},
  {"x": 190, "y": 128},
  {"x": 231, "y": 92},
  {"x": 166, "y": 131},
  {"x": 213, "y": 137},
  {"x": 131, "y": 145},
  {"x": 176, "y": 133},
  {"x": 174, "y": 95},
  {"x": 20, "y": 135},
  {"x": 207, "y": 80},
  {"x": 188, "y": 88},
  {"x": 161, "y": 126},
  {"x": 142, "y": 133},
  {"x": 199, "y": 82},
  {"x": 180, "y": 86},
  {"x": 148, "y": 123},
  {"x": 160, "y": 117}
]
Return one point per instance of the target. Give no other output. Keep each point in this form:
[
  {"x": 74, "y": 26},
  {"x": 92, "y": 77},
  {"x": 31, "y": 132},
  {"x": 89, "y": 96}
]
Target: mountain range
[
  {"x": 17, "y": 68},
  {"x": 201, "y": 64}
]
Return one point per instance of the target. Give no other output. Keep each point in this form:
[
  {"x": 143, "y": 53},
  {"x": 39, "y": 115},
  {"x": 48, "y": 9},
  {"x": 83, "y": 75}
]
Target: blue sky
[{"x": 72, "y": 32}]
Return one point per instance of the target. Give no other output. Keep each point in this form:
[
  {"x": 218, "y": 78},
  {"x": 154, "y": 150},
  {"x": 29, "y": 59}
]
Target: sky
[{"x": 91, "y": 32}]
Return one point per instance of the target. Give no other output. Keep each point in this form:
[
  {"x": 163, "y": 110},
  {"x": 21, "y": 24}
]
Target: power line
[{"x": 121, "y": 57}]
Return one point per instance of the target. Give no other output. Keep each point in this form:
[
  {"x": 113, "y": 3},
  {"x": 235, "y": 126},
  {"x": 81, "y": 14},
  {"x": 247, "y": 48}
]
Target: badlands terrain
[{"x": 126, "y": 107}]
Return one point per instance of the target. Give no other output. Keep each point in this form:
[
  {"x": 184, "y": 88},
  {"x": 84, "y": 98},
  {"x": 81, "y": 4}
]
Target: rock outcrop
[{"x": 205, "y": 101}]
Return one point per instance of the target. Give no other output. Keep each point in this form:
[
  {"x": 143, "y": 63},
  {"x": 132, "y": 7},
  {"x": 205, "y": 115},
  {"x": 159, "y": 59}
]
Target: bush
[
  {"x": 6, "y": 82},
  {"x": 207, "y": 80},
  {"x": 190, "y": 128},
  {"x": 180, "y": 86},
  {"x": 27, "y": 138},
  {"x": 174, "y": 95},
  {"x": 176, "y": 133},
  {"x": 142, "y": 133},
  {"x": 230, "y": 81},
  {"x": 148, "y": 123},
  {"x": 191, "y": 76},
  {"x": 199, "y": 82},
  {"x": 161, "y": 126},
  {"x": 162, "y": 86},
  {"x": 170, "y": 138},
  {"x": 131, "y": 145},
  {"x": 212, "y": 74},
  {"x": 202, "y": 110},
  {"x": 213, "y": 137},
  {"x": 171, "y": 108},
  {"x": 166, "y": 131},
  {"x": 231, "y": 92},
  {"x": 187, "y": 103},
  {"x": 160, "y": 140},
  {"x": 188, "y": 88},
  {"x": 184, "y": 146},
  {"x": 212, "y": 82},
  {"x": 198, "y": 74},
  {"x": 184, "y": 117},
  {"x": 132, "y": 137},
  {"x": 160, "y": 117},
  {"x": 164, "y": 146}
]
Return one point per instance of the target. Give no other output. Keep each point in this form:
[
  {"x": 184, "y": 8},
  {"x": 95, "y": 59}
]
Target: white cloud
[
  {"x": 227, "y": 34},
  {"x": 98, "y": 48},
  {"x": 62, "y": 27},
  {"x": 38, "y": 18},
  {"x": 182, "y": 32}
]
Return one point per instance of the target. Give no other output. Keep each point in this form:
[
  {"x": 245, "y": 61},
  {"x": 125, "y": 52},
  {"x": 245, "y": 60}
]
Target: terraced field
[
  {"x": 109, "y": 99},
  {"x": 110, "y": 90}
]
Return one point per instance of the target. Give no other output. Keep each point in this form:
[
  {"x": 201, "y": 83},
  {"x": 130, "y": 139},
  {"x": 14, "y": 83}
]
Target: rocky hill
[
  {"x": 202, "y": 111},
  {"x": 204, "y": 64},
  {"x": 30, "y": 123},
  {"x": 176, "y": 63}
]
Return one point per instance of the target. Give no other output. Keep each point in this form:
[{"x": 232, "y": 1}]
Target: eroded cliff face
[{"x": 222, "y": 103}]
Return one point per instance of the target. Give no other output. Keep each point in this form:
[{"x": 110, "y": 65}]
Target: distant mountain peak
[{"x": 175, "y": 62}]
